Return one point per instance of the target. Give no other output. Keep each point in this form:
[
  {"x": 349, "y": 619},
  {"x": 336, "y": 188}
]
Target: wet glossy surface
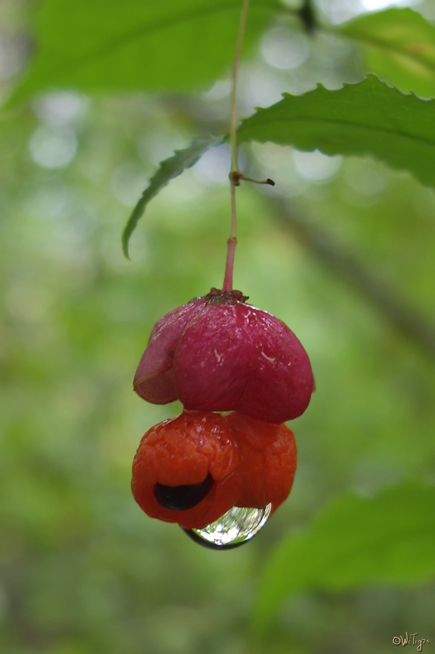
[{"x": 236, "y": 527}]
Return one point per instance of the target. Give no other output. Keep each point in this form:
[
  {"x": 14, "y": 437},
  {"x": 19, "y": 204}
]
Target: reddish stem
[
  {"x": 228, "y": 279},
  {"x": 232, "y": 241}
]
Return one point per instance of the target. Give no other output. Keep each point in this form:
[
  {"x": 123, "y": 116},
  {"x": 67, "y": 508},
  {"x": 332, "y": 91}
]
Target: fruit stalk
[{"x": 234, "y": 174}]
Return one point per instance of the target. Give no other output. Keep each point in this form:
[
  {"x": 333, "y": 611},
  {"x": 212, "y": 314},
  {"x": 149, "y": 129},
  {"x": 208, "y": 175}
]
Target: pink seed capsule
[{"x": 218, "y": 353}]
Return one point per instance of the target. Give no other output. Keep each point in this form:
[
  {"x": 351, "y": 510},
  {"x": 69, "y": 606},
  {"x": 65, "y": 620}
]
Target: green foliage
[
  {"x": 366, "y": 118},
  {"x": 168, "y": 169},
  {"x": 354, "y": 541},
  {"x": 359, "y": 119},
  {"x": 399, "y": 46},
  {"x": 174, "y": 45}
]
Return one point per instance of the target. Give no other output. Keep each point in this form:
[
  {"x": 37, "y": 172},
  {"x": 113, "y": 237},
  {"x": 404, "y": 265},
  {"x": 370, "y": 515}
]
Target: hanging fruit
[
  {"x": 223, "y": 466},
  {"x": 194, "y": 468},
  {"x": 218, "y": 353}
]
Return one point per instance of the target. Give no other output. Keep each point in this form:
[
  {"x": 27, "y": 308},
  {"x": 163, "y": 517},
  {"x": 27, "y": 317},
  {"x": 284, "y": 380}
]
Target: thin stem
[
  {"x": 234, "y": 179},
  {"x": 233, "y": 110},
  {"x": 232, "y": 242}
]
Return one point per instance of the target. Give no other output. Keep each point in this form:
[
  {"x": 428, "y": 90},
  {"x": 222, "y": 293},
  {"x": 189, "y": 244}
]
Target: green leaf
[
  {"x": 169, "y": 168},
  {"x": 399, "y": 46},
  {"x": 354, "y": 542},
  {"x": 369, "y": 118},
  {"x": 111, "y": 46}
]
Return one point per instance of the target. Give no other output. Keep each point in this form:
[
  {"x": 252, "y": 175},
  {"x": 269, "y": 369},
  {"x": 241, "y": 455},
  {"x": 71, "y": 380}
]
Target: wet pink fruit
[{"x": 218, "y": 353}]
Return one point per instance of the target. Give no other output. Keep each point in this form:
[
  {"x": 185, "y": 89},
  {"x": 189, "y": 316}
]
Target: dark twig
[{"x": 307, "y": 15}]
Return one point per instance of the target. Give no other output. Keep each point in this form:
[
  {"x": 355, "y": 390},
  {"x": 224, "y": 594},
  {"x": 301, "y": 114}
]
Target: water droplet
[{"x": 236, "y": 527}]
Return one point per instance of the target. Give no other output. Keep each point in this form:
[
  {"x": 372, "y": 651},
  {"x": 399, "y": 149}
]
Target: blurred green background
[{"x": 342, "y": 250}]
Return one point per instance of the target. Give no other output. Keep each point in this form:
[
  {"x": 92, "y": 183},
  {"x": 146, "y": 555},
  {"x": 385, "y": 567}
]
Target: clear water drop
[{"x": 236, "y": 527}]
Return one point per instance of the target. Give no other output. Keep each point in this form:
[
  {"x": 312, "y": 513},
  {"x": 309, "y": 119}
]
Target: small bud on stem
[{"x": 236, "y": 176}]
